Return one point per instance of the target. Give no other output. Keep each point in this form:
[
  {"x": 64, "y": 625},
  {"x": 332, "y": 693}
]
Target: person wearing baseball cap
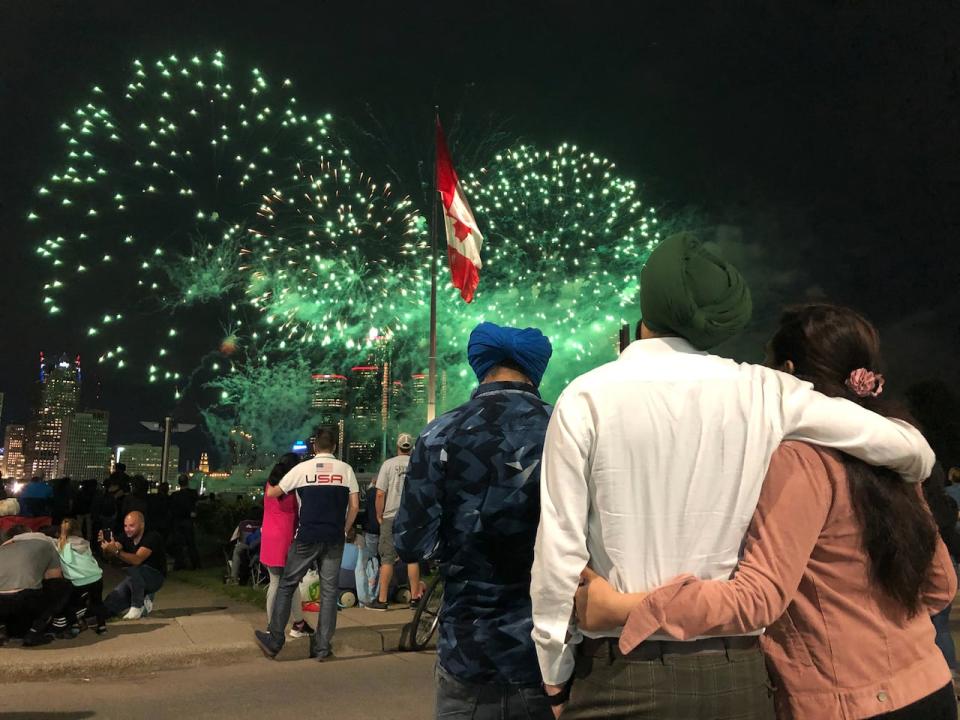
[{"x": 389, "y": 485}]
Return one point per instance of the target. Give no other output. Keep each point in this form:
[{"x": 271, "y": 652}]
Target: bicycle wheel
[{"x": 427, "y": 615}]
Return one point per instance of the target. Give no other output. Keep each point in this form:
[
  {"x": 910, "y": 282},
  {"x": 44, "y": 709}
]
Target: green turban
[{"x": 688, "y": 291}]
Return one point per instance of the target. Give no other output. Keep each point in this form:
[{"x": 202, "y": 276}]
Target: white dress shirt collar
[{"x": 659, "y": 345}]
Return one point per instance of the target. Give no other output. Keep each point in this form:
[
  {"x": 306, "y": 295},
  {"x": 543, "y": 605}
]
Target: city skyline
[
  {"x": 60, "y": 438},
  {"x": 366, "y": 406}
]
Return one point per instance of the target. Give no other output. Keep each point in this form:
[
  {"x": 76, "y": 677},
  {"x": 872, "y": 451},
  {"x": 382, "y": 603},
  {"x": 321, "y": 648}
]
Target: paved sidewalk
[{"x": 190, "y": 625}]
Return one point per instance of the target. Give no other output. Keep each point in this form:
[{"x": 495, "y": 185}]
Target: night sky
[{"x": 819, "y": 142}]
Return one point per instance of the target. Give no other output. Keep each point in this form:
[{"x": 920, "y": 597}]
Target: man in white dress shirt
[{"x": 652, "y": 467}]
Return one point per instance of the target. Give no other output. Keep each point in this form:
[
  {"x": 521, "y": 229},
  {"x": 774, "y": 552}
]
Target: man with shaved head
[{"x": 141, "y": 551}]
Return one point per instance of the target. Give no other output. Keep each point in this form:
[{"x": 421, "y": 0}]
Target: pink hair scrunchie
[{"x": 865, "y": 383}]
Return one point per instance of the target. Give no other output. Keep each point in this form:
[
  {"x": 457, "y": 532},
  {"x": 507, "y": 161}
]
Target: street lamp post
[{"x": 167, "y": 427}]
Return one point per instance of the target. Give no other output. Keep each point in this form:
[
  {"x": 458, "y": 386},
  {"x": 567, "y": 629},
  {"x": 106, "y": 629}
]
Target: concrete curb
[
  {"x": 192, "y": 627},
  {"x": 365, "y": 640},
  {"x": 47, "y": 668},
  {"x": 23, "y": 665}
]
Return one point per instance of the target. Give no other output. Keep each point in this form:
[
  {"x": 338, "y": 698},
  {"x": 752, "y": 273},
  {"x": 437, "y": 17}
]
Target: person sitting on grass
[{"x": 142, "y": 551}]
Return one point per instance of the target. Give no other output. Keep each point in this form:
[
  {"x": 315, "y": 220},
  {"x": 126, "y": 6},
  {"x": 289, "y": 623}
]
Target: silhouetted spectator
[
  {"x": 62, "y": 499},
  {"x": 106, "y": 508},
  {"x": 953, "y": 484},
  {"x": 136, "y": 499},
  {"x": 944, "y": 509},
  {"x": 83, "y": 507},
  {"x": 158, "y": 511},
  {"x": 36, "y": 498},
  {"x": 183, "y": 513},
  {"x": 119, "y": 477}
]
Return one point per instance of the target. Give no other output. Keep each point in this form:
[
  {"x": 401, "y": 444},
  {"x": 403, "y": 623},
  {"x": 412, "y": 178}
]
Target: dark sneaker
[
  {"x": 68, "y": 633},
  {"x": 33, "y": 638},
  {"x": 101, "y": 628},
  {"x": 300, "y": 629},
  {"x": 267, "y": 646},
  {"x": 378, "y": 605}
]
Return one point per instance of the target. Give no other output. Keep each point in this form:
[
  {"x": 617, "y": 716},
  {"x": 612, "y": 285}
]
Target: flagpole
[{"x": 432, "y": 371}]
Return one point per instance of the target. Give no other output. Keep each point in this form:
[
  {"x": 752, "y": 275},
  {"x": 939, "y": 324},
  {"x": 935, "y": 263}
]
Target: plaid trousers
[{"x": 730, "y": 685}]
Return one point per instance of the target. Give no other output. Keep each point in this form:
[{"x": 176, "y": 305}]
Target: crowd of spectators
[{"x": 57, "y": 536}]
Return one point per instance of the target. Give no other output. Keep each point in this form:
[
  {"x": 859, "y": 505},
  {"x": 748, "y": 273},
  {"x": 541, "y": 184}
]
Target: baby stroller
[
  {"x": 242, "y": 556},
  {"x": 350, "y": 575}
]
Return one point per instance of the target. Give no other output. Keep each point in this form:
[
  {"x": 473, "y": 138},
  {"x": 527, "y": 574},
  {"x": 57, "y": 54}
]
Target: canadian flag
[{"x": 463, "y": 237}]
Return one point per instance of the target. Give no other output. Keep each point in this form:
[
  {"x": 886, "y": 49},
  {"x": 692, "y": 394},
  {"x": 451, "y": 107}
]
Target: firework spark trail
[
  {"x": 158, "y": 183},
  {"x": 195, "y": 198},
  {"x": 566, "y": 237}
]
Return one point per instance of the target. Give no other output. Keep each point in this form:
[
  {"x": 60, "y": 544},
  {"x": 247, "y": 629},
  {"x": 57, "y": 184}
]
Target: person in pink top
[
  {"x": 842, "y": 563},
  {"x": 279, "y": 526}
]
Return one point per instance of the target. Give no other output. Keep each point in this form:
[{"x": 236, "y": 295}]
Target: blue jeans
[
  {"x": 459, "y": 700},
  {"x": 367, "y": 584},
  {"x": 301, "y": 558},
  {"x": 944, "y": 640},
  {"x": 141, "y": 580},
  {"x": 941, "y": 622}
]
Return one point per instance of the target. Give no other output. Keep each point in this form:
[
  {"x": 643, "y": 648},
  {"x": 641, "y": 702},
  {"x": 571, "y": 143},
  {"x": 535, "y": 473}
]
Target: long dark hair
[
  {"x": 285, "y": 464},
  {"x": 826, "y": 343}
]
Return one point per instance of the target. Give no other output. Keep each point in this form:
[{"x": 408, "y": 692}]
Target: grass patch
[{"x": 212, "y": 579}]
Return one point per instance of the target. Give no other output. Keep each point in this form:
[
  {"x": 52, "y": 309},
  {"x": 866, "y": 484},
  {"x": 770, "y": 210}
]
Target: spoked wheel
[{"x": 427, "y": 615}]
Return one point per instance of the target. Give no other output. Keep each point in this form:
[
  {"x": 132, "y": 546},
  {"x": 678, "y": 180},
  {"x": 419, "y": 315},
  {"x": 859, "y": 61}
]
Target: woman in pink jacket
[
  {"x": 279, "y": 526},
  {"x": 842, "y": 564}
]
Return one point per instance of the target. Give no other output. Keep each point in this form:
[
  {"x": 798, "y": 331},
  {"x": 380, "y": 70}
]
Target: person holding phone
[{"x": 142, "y": 552}]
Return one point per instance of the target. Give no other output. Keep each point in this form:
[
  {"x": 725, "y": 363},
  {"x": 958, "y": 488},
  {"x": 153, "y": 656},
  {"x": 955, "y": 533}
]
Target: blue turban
[{"x": 491, "y": 344}]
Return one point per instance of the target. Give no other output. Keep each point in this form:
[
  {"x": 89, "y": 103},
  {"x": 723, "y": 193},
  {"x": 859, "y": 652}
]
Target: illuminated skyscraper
[
  {"x": 14, "y": 444},
  {"x": 204, "y": 466},
  {"x": 398, "y": 399},
  {"x": 84, "y": 453},
  {"x": 243, "y": 448},
  {"x": 418, "y": 401},
  {"x": 57, "y": 398},
  {"x": 365, "y": 427},
  {"x": 147, "y": 460},
  {"x": 399, "y": 411},
  {"x": 330, "y": 402},
  {"x": 418, "y": 390}
]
